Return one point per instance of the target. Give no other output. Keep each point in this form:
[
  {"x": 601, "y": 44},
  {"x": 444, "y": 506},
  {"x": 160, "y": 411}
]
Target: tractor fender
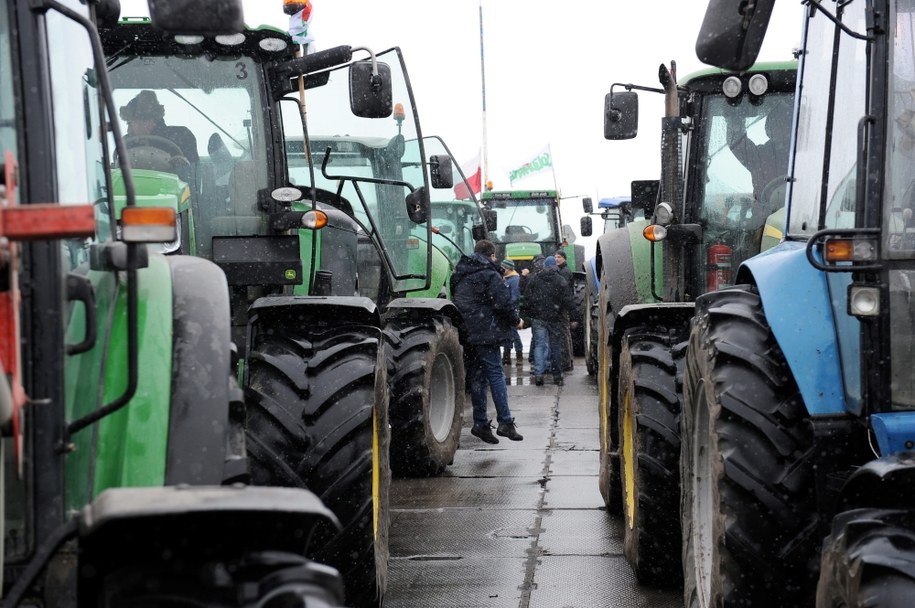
[
  {"x": 665, "y": 315},
  {"x": 796, "y": 300},
  {"x": 200, "y": 374},
  {"x": 307, "y": 310},
  {"x": 592, "y": 278},
  {"x": 423, "y": 308},
  {"x": 624, "y": 255},
  {"x": 883, "y": 483}
]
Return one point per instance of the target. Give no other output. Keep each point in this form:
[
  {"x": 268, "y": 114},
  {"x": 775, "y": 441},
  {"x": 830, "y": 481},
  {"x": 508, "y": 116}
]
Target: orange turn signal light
[
  {"x": 655, "y": 232},
  {"x": 314, "y": 219},
  {"x": 149, "y": 225},
  {"x": 849, "y": 250}
]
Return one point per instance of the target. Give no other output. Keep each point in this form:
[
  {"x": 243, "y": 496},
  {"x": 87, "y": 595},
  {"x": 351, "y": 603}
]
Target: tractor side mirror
[
  {"x": 644, "y": 195},
  {"x": 370, "y": 94},
  {"x": 587, "y": 204},
  {"x": 418, "y": 205},
  {"x": 732, "y": 32},
  {"x": 586, "y": 227},
  {"x": 621, "y": 115},
  {"x": 441, "y": 168},
  {"x": 492, "y": 220},
  {"x": 195, "y": 17},
  {"x": 478, "y": 232}
]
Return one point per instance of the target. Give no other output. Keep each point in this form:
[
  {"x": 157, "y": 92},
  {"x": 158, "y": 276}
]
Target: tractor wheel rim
[
  {"x": 628, "y": 452},
  {"x": 441, "y": 397},
  {"x": 702, "y": 508}
]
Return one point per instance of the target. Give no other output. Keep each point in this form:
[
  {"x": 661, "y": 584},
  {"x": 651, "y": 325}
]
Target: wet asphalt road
[{"x": 518, "y": 524}]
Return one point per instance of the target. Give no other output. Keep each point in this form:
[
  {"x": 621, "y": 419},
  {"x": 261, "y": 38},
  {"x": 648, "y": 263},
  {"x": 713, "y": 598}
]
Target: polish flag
[{"x": 474, "y": 175}]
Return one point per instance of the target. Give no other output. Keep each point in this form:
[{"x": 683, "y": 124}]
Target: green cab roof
[{"x": 517, "y": 194}]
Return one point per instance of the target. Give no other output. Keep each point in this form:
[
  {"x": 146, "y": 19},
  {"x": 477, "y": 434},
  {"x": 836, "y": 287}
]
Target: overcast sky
[{"x": 548, "y": 65}]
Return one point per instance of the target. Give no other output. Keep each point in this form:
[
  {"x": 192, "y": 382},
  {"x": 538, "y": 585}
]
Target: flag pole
[
  {"x": 483, "y": 90},
  {"x": 553, "y": 169}
]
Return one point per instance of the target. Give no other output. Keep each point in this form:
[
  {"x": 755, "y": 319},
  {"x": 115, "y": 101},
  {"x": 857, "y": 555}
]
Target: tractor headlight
[
  {"x": 731, "y": 87},
  {"x": 863, "y": 300},
  {"x": 664, "y": 214}
]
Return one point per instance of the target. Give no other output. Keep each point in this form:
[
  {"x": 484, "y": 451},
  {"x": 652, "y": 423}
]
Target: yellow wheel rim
[
  {"x": 628, "y": 454},
  {"x": 376, "y": 473}
]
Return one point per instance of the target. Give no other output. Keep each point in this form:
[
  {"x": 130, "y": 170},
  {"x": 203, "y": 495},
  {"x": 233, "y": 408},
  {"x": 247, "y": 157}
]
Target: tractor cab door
[{"x": 369, "y": 166}]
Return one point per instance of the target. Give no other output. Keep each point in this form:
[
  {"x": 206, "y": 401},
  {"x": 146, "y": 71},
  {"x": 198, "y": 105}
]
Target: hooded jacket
[
  {"x": 484, "y": 300},
  {"x": 547, "y": 295}
]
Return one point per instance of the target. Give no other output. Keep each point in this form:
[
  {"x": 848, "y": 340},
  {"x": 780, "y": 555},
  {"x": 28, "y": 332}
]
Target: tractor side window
[
  {"x": 76, "y": 109},
  {"x": 8, "y": 139}
]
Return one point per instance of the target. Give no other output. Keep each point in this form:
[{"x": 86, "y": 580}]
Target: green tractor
[
  {"x": 524, "y": 224},
  {"x": 123, "y": 424},
  {"x": 724, "y": 156},
  {"x": 308, "y": 182},
  {"x": 614, "y": 212}
]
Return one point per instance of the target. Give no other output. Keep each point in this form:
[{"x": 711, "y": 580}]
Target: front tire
[
  {"x": 748, "y": 509},
  {"x": 318, "y": 419},
  {"x": 649, "y": 419},
  {"x": 609, "y": 473},
  {"x": 426, "y": 371},
  {"x": 869, "y": 560}
]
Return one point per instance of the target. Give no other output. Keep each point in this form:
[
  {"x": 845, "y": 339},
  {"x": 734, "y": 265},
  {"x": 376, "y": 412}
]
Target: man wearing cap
[
  {"x": 144, "y": 115},
  {"x": 546, "y": 298},
  {"x": 513, "y": 280},
  {"x": 484, "y": 301}
]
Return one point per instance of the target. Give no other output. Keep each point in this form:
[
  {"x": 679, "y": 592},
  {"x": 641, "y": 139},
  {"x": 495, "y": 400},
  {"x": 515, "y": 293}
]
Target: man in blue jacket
[
  {"x": 513, "y": 280},
  {"x": 484, "y": 300}
]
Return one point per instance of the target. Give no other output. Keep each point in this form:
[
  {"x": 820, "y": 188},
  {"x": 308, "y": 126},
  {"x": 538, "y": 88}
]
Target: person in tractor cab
[
  {"x": 768, "y": 161},
  {"x": 146, "y": 130}
]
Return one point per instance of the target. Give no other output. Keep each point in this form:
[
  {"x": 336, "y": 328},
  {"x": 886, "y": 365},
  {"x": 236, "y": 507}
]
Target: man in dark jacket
[
  {"x": 566, "y": 273},
  {"x": 481, "y": 295},
  {"x": 547, "y": 298}
]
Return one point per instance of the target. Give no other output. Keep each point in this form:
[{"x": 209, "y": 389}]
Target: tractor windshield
[
  {"x": 899, "y": 205},
  {"x": 525, "y": 220},
  {"x": 198, "y": 119},
  {"x": 740, "y": 181},
  {"x": 367, "y": 161}
]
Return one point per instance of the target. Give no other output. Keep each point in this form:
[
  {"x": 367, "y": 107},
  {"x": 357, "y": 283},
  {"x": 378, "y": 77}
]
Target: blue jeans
[
  {"x": 547, "y": 340},
  {"x": 515, "y": 342},
  {"x": 485, "y": 362}
]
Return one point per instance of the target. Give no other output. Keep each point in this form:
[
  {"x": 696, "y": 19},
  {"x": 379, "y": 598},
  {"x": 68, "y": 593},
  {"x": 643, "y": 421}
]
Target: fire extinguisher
[{"x": 718, "y": 270}]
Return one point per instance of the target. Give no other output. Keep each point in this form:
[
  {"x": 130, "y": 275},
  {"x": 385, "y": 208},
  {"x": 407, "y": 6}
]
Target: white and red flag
[{"x": 473, "y": 172}]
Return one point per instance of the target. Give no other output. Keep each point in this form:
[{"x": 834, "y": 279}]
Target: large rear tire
[
  {"x": 608, "y": 478},
  {"x": 592, "y": 329},
  {"x": 577, "y": 317},
  {"x": 426, "y": 372},
  {"x": 649, "y": 419},
  {"x": 869, "y": 560},
  {"x": 318, "y": 419},
  {"x": 748, "y": 508}
]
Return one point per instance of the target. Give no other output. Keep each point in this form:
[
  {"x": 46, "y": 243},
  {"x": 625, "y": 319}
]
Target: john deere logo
[{"x": 290, "y": 274}]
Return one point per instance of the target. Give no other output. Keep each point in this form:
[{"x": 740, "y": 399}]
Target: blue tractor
[{"x": 798, "y": 419}]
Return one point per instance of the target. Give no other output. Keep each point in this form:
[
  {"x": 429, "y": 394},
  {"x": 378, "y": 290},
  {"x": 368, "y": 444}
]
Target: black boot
[
  {"x": 507, "y": 429},
  {"x": 484, "y": 432}
]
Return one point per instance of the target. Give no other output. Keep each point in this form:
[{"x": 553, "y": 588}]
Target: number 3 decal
[{"x": 242, "y": 71}]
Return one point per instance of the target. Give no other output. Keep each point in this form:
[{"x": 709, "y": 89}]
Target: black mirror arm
[{"x": 370, "y": 180}]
